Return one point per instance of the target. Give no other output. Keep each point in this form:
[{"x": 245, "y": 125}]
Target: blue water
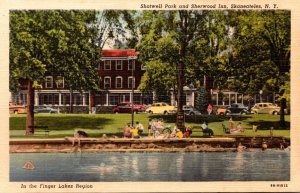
[{"x": 254, "y": 165}]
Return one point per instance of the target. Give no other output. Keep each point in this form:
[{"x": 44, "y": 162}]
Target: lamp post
[{"x": 132, "y": 58}]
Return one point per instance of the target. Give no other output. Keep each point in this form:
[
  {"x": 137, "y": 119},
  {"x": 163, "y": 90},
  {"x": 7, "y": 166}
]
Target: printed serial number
[{"x": 279, "y": 185}]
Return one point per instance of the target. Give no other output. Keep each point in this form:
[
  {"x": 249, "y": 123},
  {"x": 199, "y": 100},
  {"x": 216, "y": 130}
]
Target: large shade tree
[
  {"x": 54, "y": 43},
  {"x": 261, "y": 50},
  {"x": 245, "y": 51},
  {"x": 182, "y": 43}
]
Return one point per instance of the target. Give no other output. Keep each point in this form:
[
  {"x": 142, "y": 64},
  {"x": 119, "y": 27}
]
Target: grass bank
[{"x": 62, "y": 125}]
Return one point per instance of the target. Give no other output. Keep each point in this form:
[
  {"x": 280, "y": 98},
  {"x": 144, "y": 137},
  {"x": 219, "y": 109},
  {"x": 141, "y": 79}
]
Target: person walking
[{"x": 209, "y": 109}]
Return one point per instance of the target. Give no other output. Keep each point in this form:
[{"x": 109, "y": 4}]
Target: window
[
  {"x": 65, "y": 99},
  {"x": 59, "y": 82},
  {"x": 107, "y": 64},
  {"x": 49, "y": 82},
  {"x": 131, "y": 64},
  {"x": 137, "y": 100},
  {"x": 119, "y": 65},
  {"x": 119, "y": 81},
  {"x": 131, "y": 82},
  {"x": 76, "y": 99},
  {"x": 45, "y": 99},
  {"x": 113, "y": 99},
  {"x": 107, "y": 81}
]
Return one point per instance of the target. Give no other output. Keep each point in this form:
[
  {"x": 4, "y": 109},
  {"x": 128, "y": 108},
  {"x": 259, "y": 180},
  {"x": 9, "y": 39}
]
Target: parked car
[
  {"x": 189, "y": 110},
  {"x": 235, "y": 108},
  {"x": 265, "y": 108},
  {"x": 161, "y": 108},
  {"x": 125, "y": 107},
  {"x": 45, "y": 109},
  {"x": 16, "y": 108}
]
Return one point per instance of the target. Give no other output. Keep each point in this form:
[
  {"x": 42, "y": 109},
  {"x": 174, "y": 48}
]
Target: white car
[
  {"x": 161, "y": 108},
  {"x": 189, "y": 110},
  {"x": 43, "y": 109}
]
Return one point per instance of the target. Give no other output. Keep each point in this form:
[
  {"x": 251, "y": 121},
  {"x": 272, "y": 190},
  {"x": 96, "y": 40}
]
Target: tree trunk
[
  {"x": 92, "y": 105},
  {"x": 181, "y": 68},
  {"x": 30, "y": 108},
  {"x": 282, "y": 107},
  {"x": 71, "y": 101}
]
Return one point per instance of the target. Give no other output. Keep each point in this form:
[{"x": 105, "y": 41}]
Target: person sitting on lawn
[
  {"x": 150, "y": 131},
  {"x": 179, "y": 134},
  {"x": 127, "y": 131},
  {"x": 207, "y": 131},
  {"x": 135, "y": 133},
  {"x": 140, "y": 127},
  {"x": 238, "y": 129},
  {"x": 231, "y": 123},
  {"x": 204, "y": 125},
  {"x": 187, "y": 132}
]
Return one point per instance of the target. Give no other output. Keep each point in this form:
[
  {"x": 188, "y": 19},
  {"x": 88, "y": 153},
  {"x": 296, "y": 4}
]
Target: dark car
[
  {"x": 189, "y": 110},
  {"x": 45, "y": 109},
  {"x": 125, "y": 107},
  {"x": 235, "y": 108}
]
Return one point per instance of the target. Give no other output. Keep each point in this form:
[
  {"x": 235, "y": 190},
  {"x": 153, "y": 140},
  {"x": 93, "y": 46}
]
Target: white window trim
[
  {"x": 133, "y": 81},
  {"x": 63, "y": 82},
  {"x": 107, "y": 77},
  {"x": 116, "y": 83},
  {"x": 51, "y": 82},
  {"x": 132, "y": 64},
  {"x": 105, "y": 64},
  {"x": 121, "y": 61}
]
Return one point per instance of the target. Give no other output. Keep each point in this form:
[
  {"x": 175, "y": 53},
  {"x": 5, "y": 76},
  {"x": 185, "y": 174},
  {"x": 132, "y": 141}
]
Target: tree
[
  {"x": 260, "y": 42},
  {"x": 189, "y": 42},
  {"x": 55, "y": 43},
  {"x": 201, "y": 101}
]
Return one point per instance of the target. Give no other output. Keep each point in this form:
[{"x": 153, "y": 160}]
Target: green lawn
[{"x": 62, "y": 125}]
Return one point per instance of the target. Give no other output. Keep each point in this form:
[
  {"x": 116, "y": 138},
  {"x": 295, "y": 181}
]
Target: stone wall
[{"x": 159, "y": 145}]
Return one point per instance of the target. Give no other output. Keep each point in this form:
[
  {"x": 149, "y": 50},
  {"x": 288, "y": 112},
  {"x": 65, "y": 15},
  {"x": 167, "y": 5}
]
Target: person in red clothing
[
  {"x": 209, "y": 109},
  {"x": 127, "y": 132}
]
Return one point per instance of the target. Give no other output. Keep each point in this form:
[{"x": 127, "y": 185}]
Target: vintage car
[
  {"x": 189, "y": 110},
  {"x": 125, "y": 107},
  {"x": 235, "y": 108},
  {"x": 45, "y": 109},
  {"x": 265, "y": 108},
  {"x": 17, "y": 109},
  {"x": 161, "y": 108}
]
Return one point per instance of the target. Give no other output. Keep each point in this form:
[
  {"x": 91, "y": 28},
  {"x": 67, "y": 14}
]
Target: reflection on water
[{"x": 254, "y": 165}]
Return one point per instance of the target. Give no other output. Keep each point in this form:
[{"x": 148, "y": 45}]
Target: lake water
[{"x": 253, "y": 165}]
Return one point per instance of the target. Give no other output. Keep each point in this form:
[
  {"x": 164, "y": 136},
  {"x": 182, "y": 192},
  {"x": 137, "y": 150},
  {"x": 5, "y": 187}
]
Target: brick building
[{"x": 120, "y": 74}]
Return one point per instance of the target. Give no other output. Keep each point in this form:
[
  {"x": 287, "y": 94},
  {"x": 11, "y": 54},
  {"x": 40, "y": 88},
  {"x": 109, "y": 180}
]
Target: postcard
[{"x": 149, "y": 96}]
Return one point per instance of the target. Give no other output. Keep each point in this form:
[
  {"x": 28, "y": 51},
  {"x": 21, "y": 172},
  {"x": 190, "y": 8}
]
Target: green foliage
[
  {"x": 201, "y": 101},
  {"x": 261, "y": 50},
  {"x": 285, "y": 91},
  {"x": 54, "y": 43},
  {"x": 159, "y": 77}
]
